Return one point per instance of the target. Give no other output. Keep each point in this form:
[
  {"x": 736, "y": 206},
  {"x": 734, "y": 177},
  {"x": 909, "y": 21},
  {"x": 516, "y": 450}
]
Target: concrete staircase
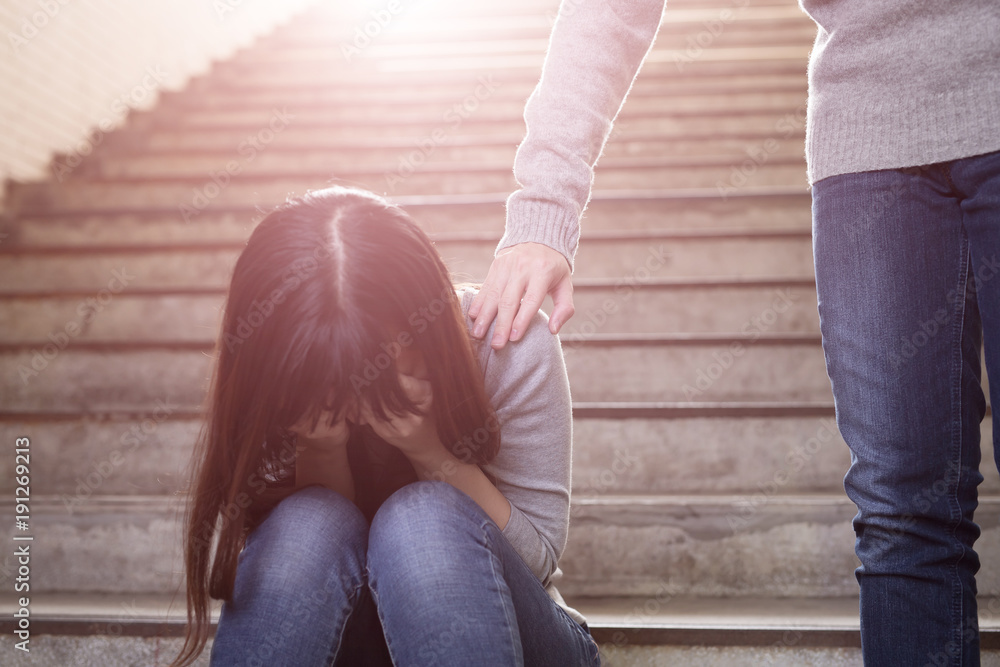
[{"x": 709, "y": 524}]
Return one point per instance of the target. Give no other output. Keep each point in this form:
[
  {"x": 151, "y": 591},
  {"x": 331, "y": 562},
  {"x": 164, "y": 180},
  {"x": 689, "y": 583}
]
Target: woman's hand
[
  {"x": 321, "y": 455},
  {"x": 517, "y": 283},
  {"x": 417, "y": 437},
  {"x": 414, "y": 435},
  {"x": 324, "y": 438}
]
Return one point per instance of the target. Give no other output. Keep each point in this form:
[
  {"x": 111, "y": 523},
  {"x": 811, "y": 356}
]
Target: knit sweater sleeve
[
  {"x": 529, "y": 389},
  {"x": 594, "y": 54}
]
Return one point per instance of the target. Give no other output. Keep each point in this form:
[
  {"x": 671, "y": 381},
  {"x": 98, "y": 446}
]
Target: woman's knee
[
  {"x": 419, "y": 518},
  {"x": 412, "y": 508},
  {"x": 317, "y": 510},
  {"x": 313, "y": 530}
]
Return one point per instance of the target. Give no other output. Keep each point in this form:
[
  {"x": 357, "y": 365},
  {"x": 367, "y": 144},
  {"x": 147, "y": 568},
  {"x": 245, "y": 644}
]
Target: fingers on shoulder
[{"x": 537, "y": 341}]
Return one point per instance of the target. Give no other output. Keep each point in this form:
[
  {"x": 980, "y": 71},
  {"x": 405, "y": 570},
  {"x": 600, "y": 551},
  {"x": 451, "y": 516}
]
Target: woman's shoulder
[
  {"x": 537, "y": 349},
  {"x": 466, "y": 293},
  {"x": 532, "y": 337}
]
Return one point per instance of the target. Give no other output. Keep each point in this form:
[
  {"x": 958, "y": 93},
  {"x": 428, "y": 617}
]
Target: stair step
[
  {"x": 488, "y": 101},
  {"x": 702, "y": 546},
  {"x": 616, "y": 623},
  {"x": 603, "y": 307},
  {"x": 779, "y": 632},
  {"x": 734, "y": 369},
  {"x": 686, "y": 632},
  {"x": 664, "y": 619},
  {"x": 488, "y": 149},
  {"x": 260, "y": 189},
  {"x": 210, "y": 266},
  {"x": 765, "y": 544},
  {"x": 234, "y": 94},
  {"x": 447, "y": 34},
  {"x": 514, "y": 58},
  {"x": 666, "y": 307},
  {"x": 665, "y": 212},
  {"x": 730, "y": 369},
  {"x": 482, "y": 122},
  {"x": 619, "y": 448},
  {"x": 615, "y": 452},
  {"x": 624, "y": 455},
  {"x": 379, "y": 59},
  {"x": 150, "y": 628},
  {"x": 441, "y": 155},
  {"x": 759, "y": 30},
  {"x": 206, "y": 92},
  {"x": 149, "y": 454},
  {"x": 530, "y": 22}
]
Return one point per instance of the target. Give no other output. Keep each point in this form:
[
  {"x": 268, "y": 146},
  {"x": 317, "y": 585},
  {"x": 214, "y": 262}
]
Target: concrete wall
[{"x": 68, "y": 67}]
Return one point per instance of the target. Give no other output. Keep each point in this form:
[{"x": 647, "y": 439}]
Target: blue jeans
[
  {"x": 432, "y": 581},
  {"x": 907, "y": 265}
]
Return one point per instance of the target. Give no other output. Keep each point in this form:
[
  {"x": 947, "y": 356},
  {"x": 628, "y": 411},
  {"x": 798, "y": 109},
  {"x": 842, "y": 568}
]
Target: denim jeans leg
[
  {"x": 901, "y": 334},
  {"x": 300, "y": 586},
  {"x": 451, "y": 590},
  {"x": 978, "y": 180}
]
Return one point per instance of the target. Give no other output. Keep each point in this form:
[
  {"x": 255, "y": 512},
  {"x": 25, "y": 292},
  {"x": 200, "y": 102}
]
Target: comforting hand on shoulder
[{"x": 517, "y": 283}]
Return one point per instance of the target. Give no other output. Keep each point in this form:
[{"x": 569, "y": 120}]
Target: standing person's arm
[{"x": 594, "y": 54}]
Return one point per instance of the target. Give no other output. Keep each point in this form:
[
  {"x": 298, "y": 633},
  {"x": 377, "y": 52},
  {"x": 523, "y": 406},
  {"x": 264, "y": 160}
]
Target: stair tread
[
  {"x": 678, "y": 611},
  {"x": 427, "y": 170},
  {"x": 587, "y": 340},
  {"x": 583, "y": 284},
  {"x": 417, "y": 200},
  {"x": 167, "y": 504},
  {"x": 164, "y": 614},
  {"x": 487, "y": 239},
  {"x": 141, "y": 246},
  {"x": 593, "y": 410}
]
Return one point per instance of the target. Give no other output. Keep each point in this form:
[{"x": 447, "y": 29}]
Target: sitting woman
[{"x": 372, "y": 486}]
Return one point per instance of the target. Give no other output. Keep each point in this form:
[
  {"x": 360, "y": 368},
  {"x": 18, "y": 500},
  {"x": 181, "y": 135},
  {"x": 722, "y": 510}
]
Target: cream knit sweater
[{"x": 892, "y": 84}]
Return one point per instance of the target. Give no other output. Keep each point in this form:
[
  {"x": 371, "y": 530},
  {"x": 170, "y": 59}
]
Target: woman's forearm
[
  {"x": 329, "y": 468},
  {"x": 440, "y": 464},
  {"x": 594, "y": 53}
]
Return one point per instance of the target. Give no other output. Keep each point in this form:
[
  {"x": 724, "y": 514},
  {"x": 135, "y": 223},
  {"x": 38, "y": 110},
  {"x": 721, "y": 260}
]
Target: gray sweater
[
  {"x": 897, "y": 84},
  {"x": 528, "y": 387},
  {"x": 892, "y": 84}
]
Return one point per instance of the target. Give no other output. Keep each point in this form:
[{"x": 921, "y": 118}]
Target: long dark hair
[{"x": 328, "y": 289}]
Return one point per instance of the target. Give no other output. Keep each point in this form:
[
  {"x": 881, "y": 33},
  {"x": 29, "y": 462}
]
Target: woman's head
[
  {"x": 331, "y": 293},
  {"x": 334, "y": 294}
]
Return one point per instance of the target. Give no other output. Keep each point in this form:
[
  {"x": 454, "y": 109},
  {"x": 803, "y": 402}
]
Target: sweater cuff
[
  {"x": 539, "y": 221},
  {"x": 524, "y": 538}
]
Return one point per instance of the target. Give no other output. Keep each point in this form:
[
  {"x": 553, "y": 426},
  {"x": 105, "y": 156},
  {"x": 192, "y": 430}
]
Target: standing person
[
  {"x": 372, "y": 486},
  {"x": 902, "y": 142}
]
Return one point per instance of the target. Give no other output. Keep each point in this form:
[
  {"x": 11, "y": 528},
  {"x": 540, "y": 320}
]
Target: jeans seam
[
  {"x": 509, "y": 614},
  {"x": 582, "y": 632},
  {"x": 476, "y": 514},
  {"x": 958, "y": 445},
  {"x": 352, "y": 599},
  {"x": 378, "y": 612}
]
